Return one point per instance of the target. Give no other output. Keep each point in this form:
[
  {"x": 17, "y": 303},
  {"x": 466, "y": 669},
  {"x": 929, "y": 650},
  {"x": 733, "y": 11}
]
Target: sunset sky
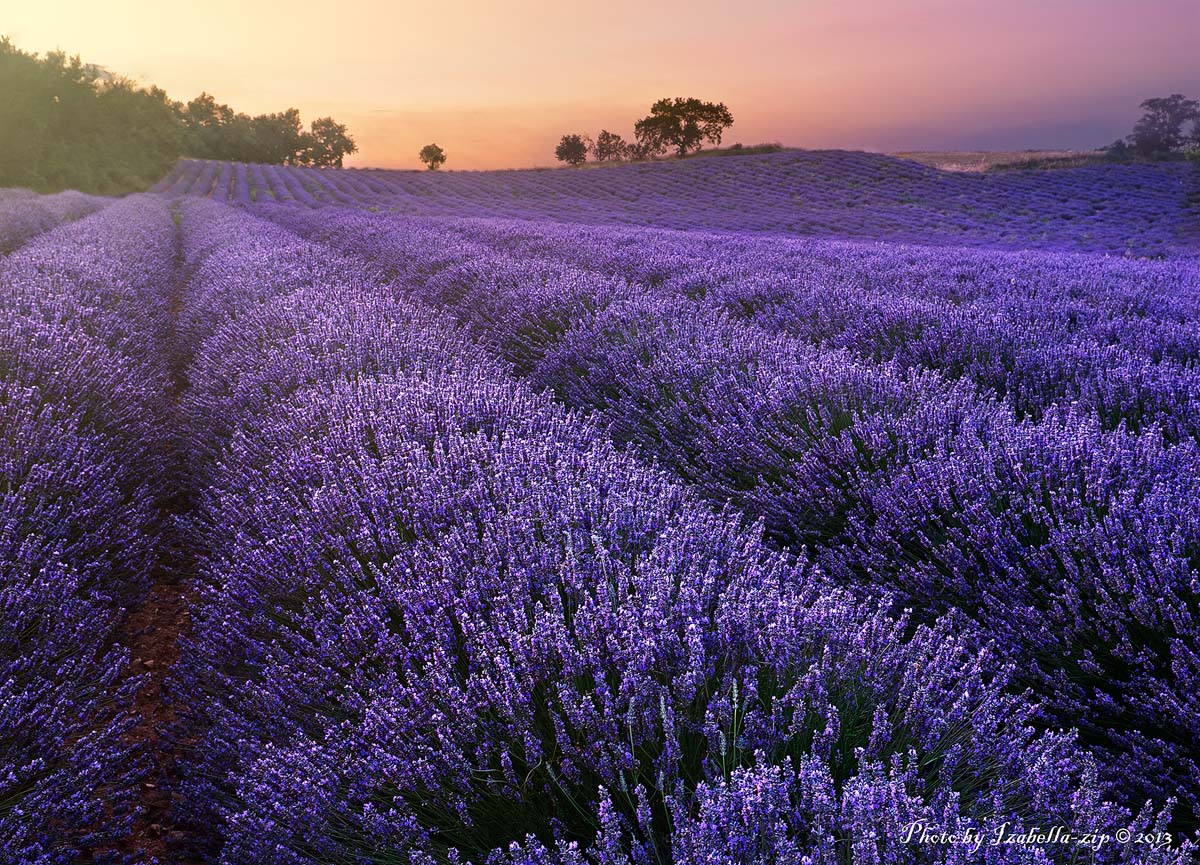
[{"x": 496, "y": 83}]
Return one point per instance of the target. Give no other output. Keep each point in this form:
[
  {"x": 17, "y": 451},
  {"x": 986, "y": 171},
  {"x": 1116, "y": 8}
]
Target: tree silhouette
[
  {"x": 572, "y": 149},
  {"x": 684, "y": 124},
  {"x": 1160, "y": 129},
  {"x": 216, "y": 131},
  {"x": 329, "y": 143},
  {"x": 609, "y": 146},
  {"x": 433, "y": 156}
]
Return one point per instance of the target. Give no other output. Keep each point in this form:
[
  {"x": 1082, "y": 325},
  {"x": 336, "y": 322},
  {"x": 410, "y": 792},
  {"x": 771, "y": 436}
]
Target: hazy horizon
[{"x": 497, "y": 87}]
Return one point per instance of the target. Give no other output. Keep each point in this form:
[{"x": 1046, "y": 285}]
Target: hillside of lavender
[
  {"x": 751, "y": 510},
  {"x": 1143, "y": 210}
]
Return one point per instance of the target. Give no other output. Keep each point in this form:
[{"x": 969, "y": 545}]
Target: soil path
[{"x": 152, "y": 634}]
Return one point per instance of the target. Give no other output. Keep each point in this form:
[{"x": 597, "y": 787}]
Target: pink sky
[{"x": 496, "y": 83}]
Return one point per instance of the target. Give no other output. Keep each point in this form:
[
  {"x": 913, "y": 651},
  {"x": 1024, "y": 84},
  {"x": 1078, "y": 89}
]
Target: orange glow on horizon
[{"x": 497, "y": 84}]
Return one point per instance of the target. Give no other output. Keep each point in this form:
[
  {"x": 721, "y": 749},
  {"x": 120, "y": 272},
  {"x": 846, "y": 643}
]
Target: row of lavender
[
  {"x": 83, "y": 395},
  {"x": 1067, "y": 533},
  {"x": 446, "y": 620},
  {"x": 1141, "y": 209},
  {"x": 1116, "y": 337},
  {"x": 24, "y": 214}
]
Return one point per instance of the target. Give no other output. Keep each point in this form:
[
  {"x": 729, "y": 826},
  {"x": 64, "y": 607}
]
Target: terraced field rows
[
  {"x": 488, "y": 518},
  {"x": 1141, "y": 209}
]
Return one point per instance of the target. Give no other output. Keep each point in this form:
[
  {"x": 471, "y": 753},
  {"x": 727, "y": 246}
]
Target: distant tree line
[
  {"x": 1163, "y": 129},
  {"x": 216, "y": 131},
  {"x": 66, "y": 124},
  {"x": 681, "y": 125}
]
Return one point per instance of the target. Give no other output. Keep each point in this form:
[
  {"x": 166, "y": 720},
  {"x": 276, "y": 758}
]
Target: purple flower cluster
[
  {"x": 961, "y": 467},
  {"x": 529, "y": 530},
  {"x": 1036, "y": 328},
  {"x": 83, "y": 388},
  {"x": 447, "y": 620},
  {"x": 1139, "y": 209},
  {"x": 24, "y": 214}
]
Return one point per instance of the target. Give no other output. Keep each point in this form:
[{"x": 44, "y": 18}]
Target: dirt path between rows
[{"x": 152, "y": 634}]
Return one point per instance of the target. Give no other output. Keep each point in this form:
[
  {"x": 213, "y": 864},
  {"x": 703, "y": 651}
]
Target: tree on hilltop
[
  {"x": 1160, "y": 129},
  {"x": 572, "y": 149},
  {"x": 281, "y": 137},
  {"x": 215, "y": 131},
  {"x": 329, "y": 143},
  {"x": 433, "y": 156},
  {"x": 682, "y": 124},
  {"x": 610, "y": 146}
]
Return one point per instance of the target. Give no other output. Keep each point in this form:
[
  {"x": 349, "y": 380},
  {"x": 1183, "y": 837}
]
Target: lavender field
[
  {"x": 1141, "y": 210},
  {"x": 755, "y": 510}
]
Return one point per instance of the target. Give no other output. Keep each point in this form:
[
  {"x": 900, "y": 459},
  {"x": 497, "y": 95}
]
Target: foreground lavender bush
[
  {"x": 852, "y": 458},
  {"x": 474, "y": 635},
  {"x": 452, "y": 617},
  {"x": 1075, "y": 548},
  {"x": 1070, "y": 545},
  {"x": 82, "y": 391}
]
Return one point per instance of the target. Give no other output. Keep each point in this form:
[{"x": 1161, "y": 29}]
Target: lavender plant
[
  {"x": 24, "y": 214},
  {"x": 82, "y": 389},
  {"x": 531, "y": 530},
  {"x": 455, "y": 623},
  {"x": 804, "y": 436}
]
